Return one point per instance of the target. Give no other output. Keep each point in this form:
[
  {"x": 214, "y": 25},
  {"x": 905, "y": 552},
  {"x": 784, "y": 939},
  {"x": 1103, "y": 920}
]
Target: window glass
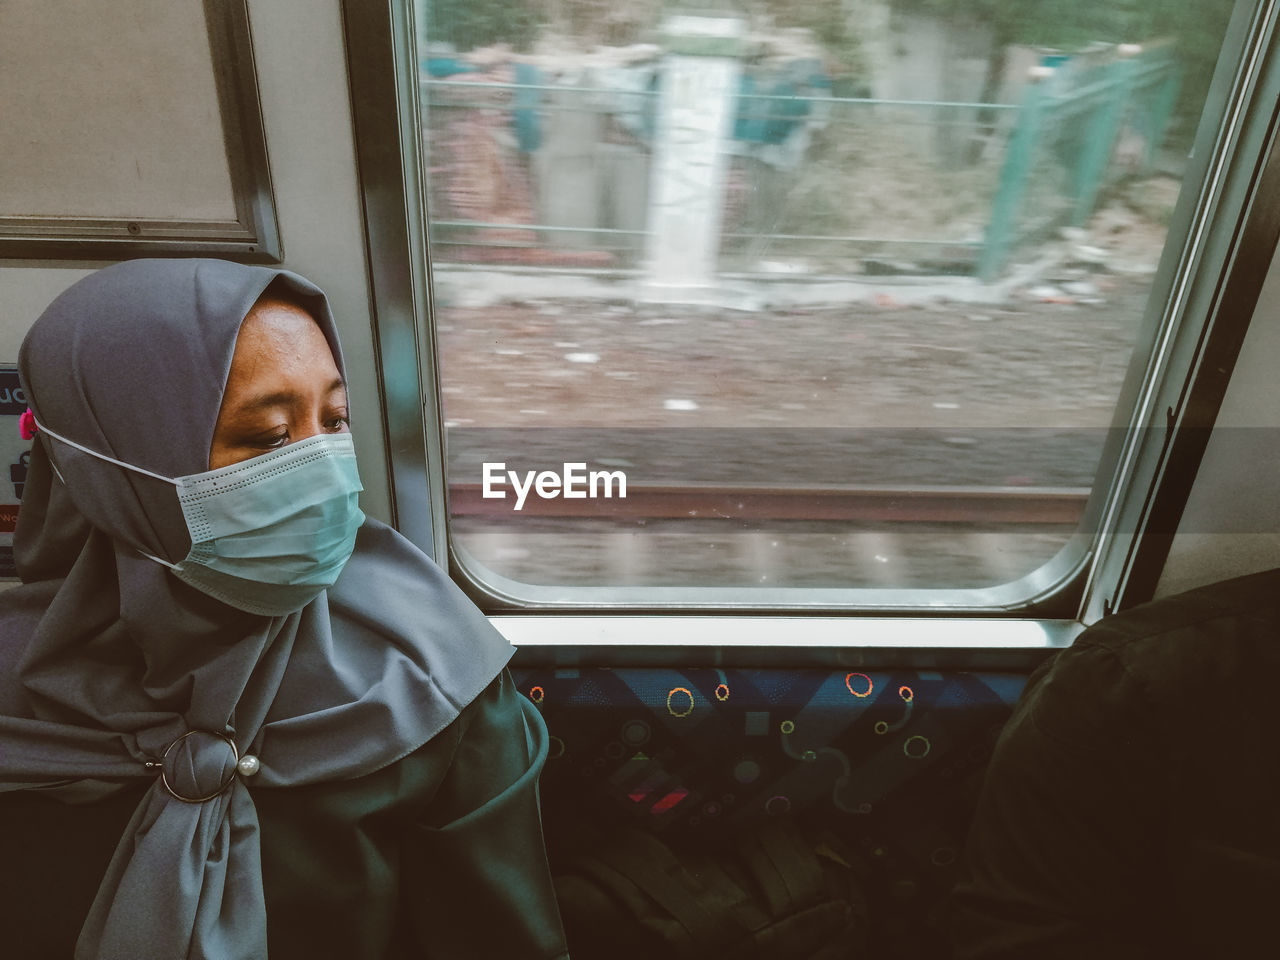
[{"x": 839, "y": 293}]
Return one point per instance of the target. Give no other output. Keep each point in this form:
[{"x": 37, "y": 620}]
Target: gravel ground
[
  {"x": 875, "y": 392},
  {"x": 974, "y": 394},
  {"x": 561, "y": 363}
]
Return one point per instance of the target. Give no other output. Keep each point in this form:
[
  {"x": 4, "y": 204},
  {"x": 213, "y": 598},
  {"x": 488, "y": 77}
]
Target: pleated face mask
[{"x": 268, "y": 534}]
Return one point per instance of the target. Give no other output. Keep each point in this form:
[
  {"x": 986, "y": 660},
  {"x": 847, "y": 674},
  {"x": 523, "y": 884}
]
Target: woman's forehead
[{"x": 279, "y": 340}]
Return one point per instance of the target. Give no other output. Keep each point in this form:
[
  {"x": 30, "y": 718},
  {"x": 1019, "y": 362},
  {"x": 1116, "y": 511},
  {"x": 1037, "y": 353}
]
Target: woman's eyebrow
[{"x": 280, "y": 398}]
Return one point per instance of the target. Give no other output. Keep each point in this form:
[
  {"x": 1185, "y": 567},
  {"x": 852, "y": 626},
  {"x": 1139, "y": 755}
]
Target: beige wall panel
[
  {"x": 24, "y": 293},
  {"x": 1231, "y": 526}
]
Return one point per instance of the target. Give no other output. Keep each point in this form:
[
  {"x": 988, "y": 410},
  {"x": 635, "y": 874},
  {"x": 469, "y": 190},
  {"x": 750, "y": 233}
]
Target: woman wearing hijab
[{"x": 237, "y": 718}]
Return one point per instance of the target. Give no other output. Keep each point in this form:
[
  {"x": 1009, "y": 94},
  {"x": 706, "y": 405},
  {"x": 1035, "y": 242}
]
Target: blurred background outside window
[{"x": 845, "y": 288}]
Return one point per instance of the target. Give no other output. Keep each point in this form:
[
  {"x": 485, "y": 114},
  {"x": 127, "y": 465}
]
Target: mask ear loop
[
  {"x": 118, "y": 463},
  {"x": 103, "y": 456}
]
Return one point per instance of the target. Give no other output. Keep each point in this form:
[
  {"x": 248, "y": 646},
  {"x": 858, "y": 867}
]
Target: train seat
[{"x": 889, "y": 761}]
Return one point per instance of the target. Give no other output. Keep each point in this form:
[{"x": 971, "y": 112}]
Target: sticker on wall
[{"x": 15, "y": 454}]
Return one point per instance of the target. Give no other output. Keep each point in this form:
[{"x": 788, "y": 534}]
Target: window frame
[
  {"x": 1206, "y": 313},
  {"x": 1181, "y": 354},
  {"x": 253, "y": 236}
]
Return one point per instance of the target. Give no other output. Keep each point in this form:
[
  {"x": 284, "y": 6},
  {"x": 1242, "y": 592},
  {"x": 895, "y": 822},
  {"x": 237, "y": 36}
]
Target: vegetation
[
  {"x": 468, "y": 24},
  {"x": 1195, "y": 27}
]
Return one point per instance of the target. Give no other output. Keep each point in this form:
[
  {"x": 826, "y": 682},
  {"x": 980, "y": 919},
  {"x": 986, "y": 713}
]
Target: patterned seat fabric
[{"x": 890, "y": 761}]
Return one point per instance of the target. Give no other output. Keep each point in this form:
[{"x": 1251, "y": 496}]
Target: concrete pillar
[
  {"x": 695, "y": 119},
  {"x": 566, "y": 168}
]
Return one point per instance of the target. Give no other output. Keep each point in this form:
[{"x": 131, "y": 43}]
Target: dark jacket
[
  {"x": 437, "y": 856},
  {"x": 1132, "y": 808}
]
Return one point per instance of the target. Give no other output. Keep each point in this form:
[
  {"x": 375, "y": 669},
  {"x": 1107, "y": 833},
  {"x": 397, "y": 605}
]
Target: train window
[{"x": 807, "y": 305}]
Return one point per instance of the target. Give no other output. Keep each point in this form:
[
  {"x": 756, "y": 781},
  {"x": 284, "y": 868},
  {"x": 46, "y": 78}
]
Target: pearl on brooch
[{"x": 248, "y": 765}]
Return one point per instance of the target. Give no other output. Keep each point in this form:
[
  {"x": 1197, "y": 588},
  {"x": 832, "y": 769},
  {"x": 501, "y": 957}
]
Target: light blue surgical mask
[{"x": 267, "y": 534}]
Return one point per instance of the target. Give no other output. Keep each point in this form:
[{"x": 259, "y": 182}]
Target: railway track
[{"x": 979, "y": 506}]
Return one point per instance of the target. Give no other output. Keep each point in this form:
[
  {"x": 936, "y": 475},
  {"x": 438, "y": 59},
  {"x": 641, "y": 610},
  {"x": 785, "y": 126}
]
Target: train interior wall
[
  {"x": 785, "y": 740},
  {"x": 300, "y": 58},
  {"x": 1229, "y": 527}
]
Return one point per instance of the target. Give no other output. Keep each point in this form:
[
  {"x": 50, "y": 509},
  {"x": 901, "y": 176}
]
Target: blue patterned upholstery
[{"x": 890, "y": 760}]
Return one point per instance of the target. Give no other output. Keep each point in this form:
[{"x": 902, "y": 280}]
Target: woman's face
[{"x": 283, "y": 387}]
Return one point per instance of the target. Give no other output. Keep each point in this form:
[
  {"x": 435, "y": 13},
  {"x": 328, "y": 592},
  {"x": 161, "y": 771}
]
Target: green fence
[
  {"x": 1079, "y": 129},
  {"x": 523, "y": 171}
]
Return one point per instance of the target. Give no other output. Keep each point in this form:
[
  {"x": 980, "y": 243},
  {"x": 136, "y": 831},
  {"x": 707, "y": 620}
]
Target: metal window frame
[
  {"x": 1194, "y": 333},
  {"x": 1087, "y": 578},
  {"x": 253, "y": 236},
  {"x": 382, "y": 74}
]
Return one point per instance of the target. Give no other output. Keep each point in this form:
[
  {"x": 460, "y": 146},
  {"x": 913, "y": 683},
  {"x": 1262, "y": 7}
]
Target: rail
[{"x": 966, "y": 505}]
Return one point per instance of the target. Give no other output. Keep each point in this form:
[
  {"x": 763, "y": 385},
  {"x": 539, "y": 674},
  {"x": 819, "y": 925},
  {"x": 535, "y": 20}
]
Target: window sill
[{"x": 644, "y": 640}]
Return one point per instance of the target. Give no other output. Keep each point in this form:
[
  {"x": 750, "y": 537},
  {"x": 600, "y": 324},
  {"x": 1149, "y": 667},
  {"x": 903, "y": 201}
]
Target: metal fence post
[
  {"x": 1100, "y": 137},
  {"x": 1014, "y": 174},
  {"x": 1161, "y": 113}
]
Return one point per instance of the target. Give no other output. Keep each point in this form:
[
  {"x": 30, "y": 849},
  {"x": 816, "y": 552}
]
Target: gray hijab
[{"x": 107, "y": 660}]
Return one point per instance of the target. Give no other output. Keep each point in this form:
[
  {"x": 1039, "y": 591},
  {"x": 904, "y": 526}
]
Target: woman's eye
[
  {"x": 336, "y": 424},
  {"x": 275, "y": 440}
]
